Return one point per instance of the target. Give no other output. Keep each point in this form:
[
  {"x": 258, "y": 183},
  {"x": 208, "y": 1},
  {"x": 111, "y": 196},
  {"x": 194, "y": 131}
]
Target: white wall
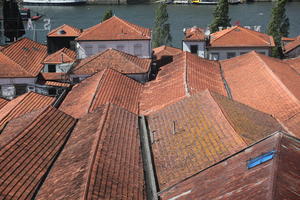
[
  {"x": 87, "y": 48},
  {"x": 60, "y": 68},
  {"x": 186, "y": 46},
  {"x": 238, "y": 51},
  {"x": 8, "y": 81}
]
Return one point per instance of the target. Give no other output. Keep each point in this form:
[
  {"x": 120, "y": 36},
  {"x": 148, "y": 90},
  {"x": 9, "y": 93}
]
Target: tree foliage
[
  {"x": 221, "y": 18},
  {"x": 161, "y": 32},
  {"x": 278, "y": 26},
  {"x": 108, "y": 14}
]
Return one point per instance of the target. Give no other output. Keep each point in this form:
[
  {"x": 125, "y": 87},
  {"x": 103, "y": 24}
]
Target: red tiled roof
[
  {"x": 63, "y": 55},
  {"x": 238, "y": 36},
  {"x": 23, "y": 104},
  {"x": 186, "y": 75},
  {"x": 287, "y": 39},
  {"x": 294, "y": 63},
  {"x": 115, "y": 28},
  {"x": 102, "y": 159},
  {"x": 53, "y": 76},
  {"x": 231, "y": 179},
  {"x": 267, "y": 84},
  {"x": 291, "y": 45},
  {"x": 162, "y": 51},
  {"x": 107, "y": 86},
  {"x": 27, "y": 54},
  {"x": 65, "y": 31},
  {"x": 208, "y": 128},
  {"x": 3, "y": 102},
  {"x": 9, "y": 68},
  {"x": 194, "y": 34},
  {"x": 57, "y": 84},
  {"x": 114, "y": 59},
  {"x": 26, "y": 157}
]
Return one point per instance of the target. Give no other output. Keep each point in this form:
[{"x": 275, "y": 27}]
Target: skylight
[{"x": 260, "y": 159}]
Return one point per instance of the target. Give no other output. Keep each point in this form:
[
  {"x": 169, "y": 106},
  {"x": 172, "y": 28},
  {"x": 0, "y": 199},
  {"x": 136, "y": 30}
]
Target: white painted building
[{"x": 194, "y": 41}]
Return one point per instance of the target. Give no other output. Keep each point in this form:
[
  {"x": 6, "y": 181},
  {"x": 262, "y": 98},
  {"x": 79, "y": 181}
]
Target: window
[
  {"x": 88, "y": 50},
  {"x": 241, "y": 53},
  {"x": 137, "y": 49},
  {"x": 51, "y": 68},
  {"x": 214, "y": 56},
  {"x": 52, "y": 91},
  {"x": 101, "y": 48},
  {"x": 120, "y": 47},
  {"x": 20, "y": 89},
  {"x": 194, "y": 49},
  {"x": 231, "y": 54},
  {"x": 260, "y": 159}
]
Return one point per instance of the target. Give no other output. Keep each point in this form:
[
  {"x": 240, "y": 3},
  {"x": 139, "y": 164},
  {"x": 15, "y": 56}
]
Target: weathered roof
[
  {"x": 25, "y": 56},
  {"x": 107, "y": 86},
  {"x": 64, "y": 31},
  {"x": 287, "y": 39},
  {"x": 198, "y": 131},
  {"x": 238, "y": 36},
  {"x": 277, "y": 178},
  {"x": 291, "y": 45},
  {"x": 102, "y": 159},
  {"x": 56, "y": 84},
  {"x": 160, "y": 52},
  {"x": 186, "y": 75},
  {"x": 26, "y": 157},
  {"x": 63, "y": 55},
  {"x": 23, "y": 104},
  {"x": 114, "y": 59},
  {"x": 115, "y": 28},
  {"x": 53, "y": 76},
  {"x": 3, "y": 102},
  {"x": 267, "y": 84},
  {"x": 194, "y": 34},
  {"x": 294, "y": 63}
]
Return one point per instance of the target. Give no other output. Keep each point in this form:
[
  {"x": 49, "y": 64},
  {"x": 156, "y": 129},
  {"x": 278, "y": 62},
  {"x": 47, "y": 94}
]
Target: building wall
[
  {"x": 60, "y": 68},
  {"x": 8, "y": 86},
  {"x": 87, "y": 48},
  {"x": 294, "y": 53},
  {"x": 186, "y": 46},
  {"x": 238, "y": 51}
]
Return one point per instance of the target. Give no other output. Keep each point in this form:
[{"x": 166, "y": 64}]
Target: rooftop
[
  {"x": 102, "y": 159},
  {"x": 162, "y": 51},
  {"x": 63, "y": 55},
  {"x": 114, "y": 59},
  {"x": 294, "y": 63},
  {"x": 3, "y": 102},
  {"x": 64, "y": 31},
  {"x": 238, "y": 36},
  {"x": 291, "y": 45},
  {"x": 107, "y": 86},
  {"x": 115, "y": 28},
  {"x": 194, "y": 34}
]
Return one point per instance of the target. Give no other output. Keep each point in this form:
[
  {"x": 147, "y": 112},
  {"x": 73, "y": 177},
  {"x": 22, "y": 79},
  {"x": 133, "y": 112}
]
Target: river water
[{"x": 180, "y": 16}]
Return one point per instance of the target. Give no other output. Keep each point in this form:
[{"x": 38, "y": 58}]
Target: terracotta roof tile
[
  {"x": 114, "y": 59},
  {"x": 231, "y": 179},
  {"x": 208, "y": 128},
  {"x": 23, "y": 104},
  {"x": 162, "y": 51},
  {"x": 186, "y": 75},
  {"x": 107, "y": 86},
  {"x": 237, "y": 36},
  {"x": 102, "y": 159},
  {"x": 291, "y": 45},
  {"x": 115, "y": 28},
  {"x": 264, "y": 83},
  {"x": 3, "y": 102},
  {"x": 287, "y": 39},
  {"x": 26, "y": 158},
  {"x": 63, "y": 55},
  {"x": 194, "y": 34},
  {"x": 294, "y": 63},
  {"x": 57, "y": 84},
  {"x": 28, "y": 55},
  {"x": 64, "y": 31},
  {"x": 9, "y": 68},
  {"x": 53, "y": 76}
]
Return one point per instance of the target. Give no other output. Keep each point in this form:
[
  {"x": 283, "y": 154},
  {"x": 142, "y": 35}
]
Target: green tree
[
  {"x": 221, "y": 17},
  {"x": 161, "y": 32},
  {"x": 278, "y": 26},
  {"x": 108, "y": 14}
]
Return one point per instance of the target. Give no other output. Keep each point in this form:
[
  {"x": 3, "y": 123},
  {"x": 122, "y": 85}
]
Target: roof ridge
[
  {"x": 91, "y": 58},
  {"x": 185, "y": 75},
  {"x": 230, "y": 29},
  {"x": 130, "y": 25},
  {"x": 17, "y": 64},
  {"x": 95, "y": 150},
  {"x": 124, "y": 55}
]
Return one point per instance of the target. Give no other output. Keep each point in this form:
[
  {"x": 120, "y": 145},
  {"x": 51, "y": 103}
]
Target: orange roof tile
[
  {"x": 3, "y": 102},
  {"x": 231, "y": 179},
  {"x": 198, "y": 131},
  {"x": 291, "y": 45},
  {"x": 53, "y": 76},
  {"x": 264, "y": 83},
  {"x": 27, "y": 157},
  {"x": 194, "y": 34},
  {"x": 115, "y": 28},
  {"x": 287, "y": 39},
  {"x": 107, "y": 86},
  {"x": 186, "y": 75},
  {"x": 63, "y": 55},
  {"x": 23, "y": 104},
  {"x": 9, "y": 68},
  {"x": 114, "y": 59},
  {"x": 294, "y": 63},
  {"x": 238, "y": 36},
  {"x": 162, "y": 51},
  {"x": 102, "y": 159},
  {"x": 64, "y": 31},
  {"x": 57, "y": 84},
  {"x": 28, "y": 55}
]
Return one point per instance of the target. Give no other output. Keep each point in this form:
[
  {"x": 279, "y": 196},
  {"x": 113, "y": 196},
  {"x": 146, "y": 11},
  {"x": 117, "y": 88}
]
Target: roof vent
[
  {"x": 260, "y": 159},
  {"x": 61, "y": 32}
]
